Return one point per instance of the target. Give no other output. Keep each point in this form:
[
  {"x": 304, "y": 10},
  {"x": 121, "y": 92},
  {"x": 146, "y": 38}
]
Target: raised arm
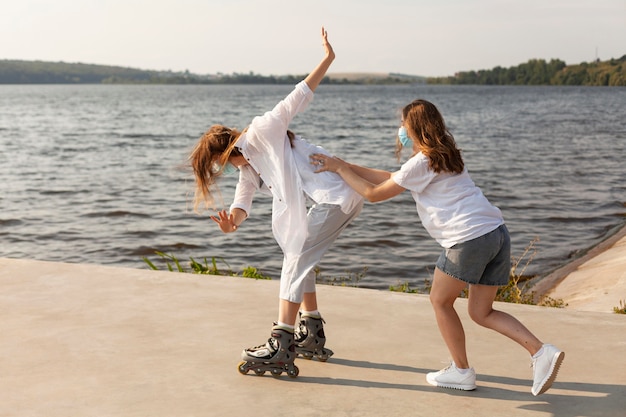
[{"x": 317, "y": 75}]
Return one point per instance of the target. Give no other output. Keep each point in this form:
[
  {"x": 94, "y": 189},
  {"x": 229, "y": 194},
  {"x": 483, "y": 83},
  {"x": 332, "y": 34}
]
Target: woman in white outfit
[{"x": 274, "y": 160}]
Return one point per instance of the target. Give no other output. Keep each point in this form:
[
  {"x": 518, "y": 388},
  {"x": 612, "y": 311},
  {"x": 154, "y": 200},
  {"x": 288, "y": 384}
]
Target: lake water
[{"x": 92, "y": 173}]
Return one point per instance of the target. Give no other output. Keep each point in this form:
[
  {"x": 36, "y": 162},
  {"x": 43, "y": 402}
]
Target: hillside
[
  {"x": 534, "y": 72},
  {"x": 42, "y": 72}
]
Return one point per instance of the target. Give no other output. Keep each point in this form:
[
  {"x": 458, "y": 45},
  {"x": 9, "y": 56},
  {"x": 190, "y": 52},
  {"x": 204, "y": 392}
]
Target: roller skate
[
  {"x": 276, "y": 356},
  {"x": 310, "y": 339}
]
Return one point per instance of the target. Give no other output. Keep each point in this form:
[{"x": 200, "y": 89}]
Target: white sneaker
[
  {"x": 545, "y": 367},
  {"x": 450, "y": 377}
]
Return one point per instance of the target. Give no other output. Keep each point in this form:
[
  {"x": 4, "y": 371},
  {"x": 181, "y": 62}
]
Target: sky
[{"x": 279, "y": 37}]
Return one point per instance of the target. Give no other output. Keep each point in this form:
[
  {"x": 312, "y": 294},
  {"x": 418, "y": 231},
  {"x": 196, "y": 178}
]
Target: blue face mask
[
  {"x": 405, "y": 140},
  {"x": 229, "y": 169}
]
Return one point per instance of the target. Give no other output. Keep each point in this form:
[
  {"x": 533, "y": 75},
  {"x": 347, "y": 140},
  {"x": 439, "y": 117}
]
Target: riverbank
[{"x": 593, "y": 282}]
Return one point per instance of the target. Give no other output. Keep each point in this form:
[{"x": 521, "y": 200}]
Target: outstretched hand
[
  {"x": 225, "y": 221},
  {"x": 328, "y": 48},
  {"x": 316, "y": 76},
  {"x": 327, "y": 163}
]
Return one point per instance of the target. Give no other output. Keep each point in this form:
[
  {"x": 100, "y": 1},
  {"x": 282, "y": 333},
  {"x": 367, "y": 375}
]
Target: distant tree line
[
  {"x": 42, "y": 72},
  {"x": 534, "y": 72},
  {"x": 540, "y": 72}
]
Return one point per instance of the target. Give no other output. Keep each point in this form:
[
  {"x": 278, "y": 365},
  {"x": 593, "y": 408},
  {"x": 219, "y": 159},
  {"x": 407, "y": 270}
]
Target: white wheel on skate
[
  {"x": 276, "y": 372},
  {"x": 259, "y": 372}
]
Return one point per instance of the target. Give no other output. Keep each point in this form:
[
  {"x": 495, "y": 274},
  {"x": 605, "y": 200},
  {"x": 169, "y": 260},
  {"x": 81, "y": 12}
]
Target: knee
[
  {"x": 479, "y": 316},
  {"x": 438, "y": 301},
  {"x": 476, "y": 318},
  {"x": 433, "y": 299}
]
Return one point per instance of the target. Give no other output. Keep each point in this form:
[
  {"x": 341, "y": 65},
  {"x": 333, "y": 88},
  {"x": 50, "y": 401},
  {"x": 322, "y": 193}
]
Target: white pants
[{"x": 324, "y": 224}]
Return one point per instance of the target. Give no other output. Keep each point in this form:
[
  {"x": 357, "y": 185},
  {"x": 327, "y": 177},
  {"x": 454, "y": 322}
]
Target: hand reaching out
[
  {"x": 225, "y": 221},
  {"x": 327, "y": 163}
]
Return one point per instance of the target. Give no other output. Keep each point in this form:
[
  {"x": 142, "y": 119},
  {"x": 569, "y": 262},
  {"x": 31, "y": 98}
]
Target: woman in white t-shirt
[
  {"x": 273, "y": 160},
  {"x": 472, "y": 232}
]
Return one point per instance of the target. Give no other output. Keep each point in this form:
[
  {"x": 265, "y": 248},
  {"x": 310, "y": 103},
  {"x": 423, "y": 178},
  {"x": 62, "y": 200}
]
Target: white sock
[
  {"x": 539, "y": 352},
  {"x": 285, "y": 325},
  {"x": 314, "y": 313},
  {"x": 462, "y": 370}
]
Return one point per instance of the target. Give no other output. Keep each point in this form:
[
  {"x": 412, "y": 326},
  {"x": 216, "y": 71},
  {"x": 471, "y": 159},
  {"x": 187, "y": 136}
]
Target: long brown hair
[
  {"x": 425, "y": 125},
  {"x": 208, "y": 159}
]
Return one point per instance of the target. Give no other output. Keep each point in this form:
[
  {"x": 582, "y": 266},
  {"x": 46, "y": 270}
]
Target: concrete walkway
[{"x": 88, "y": 340}]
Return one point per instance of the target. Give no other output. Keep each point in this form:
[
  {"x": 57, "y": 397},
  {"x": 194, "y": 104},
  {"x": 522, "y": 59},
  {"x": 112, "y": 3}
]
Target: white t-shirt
[
  {"x": 451, "y": 207},
  {"x": 322, "y": 188}
]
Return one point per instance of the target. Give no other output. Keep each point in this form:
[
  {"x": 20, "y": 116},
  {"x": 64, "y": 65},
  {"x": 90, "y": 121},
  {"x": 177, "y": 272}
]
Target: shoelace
[
  {"x": 449, "y": 365},
  {"x": 271, "y": 344},
  {"x": 447, "y": 369},
  {"x": 300, "y": 333}
]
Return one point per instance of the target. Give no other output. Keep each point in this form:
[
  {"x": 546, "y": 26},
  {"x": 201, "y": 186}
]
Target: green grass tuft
[
  {"x": 207, "y": 268},
  {"x": 621, "y": 309},
  {"x": 516, "y": 291}
]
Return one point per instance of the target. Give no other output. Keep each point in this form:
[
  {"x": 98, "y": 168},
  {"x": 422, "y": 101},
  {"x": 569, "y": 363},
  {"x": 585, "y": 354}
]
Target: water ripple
[{"x": 93, "y": 173}]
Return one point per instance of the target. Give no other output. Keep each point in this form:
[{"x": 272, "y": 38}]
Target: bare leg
[
  {"x": 481, "y": 310},
  {"x": 288, "y": 311},
  {"x": 444, "y": 292},
  {"x": 309, "y": 302}
]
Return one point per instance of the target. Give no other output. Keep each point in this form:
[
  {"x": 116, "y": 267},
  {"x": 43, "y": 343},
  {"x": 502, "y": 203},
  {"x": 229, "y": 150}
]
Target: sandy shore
[{"x": 594, "y": 282}]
